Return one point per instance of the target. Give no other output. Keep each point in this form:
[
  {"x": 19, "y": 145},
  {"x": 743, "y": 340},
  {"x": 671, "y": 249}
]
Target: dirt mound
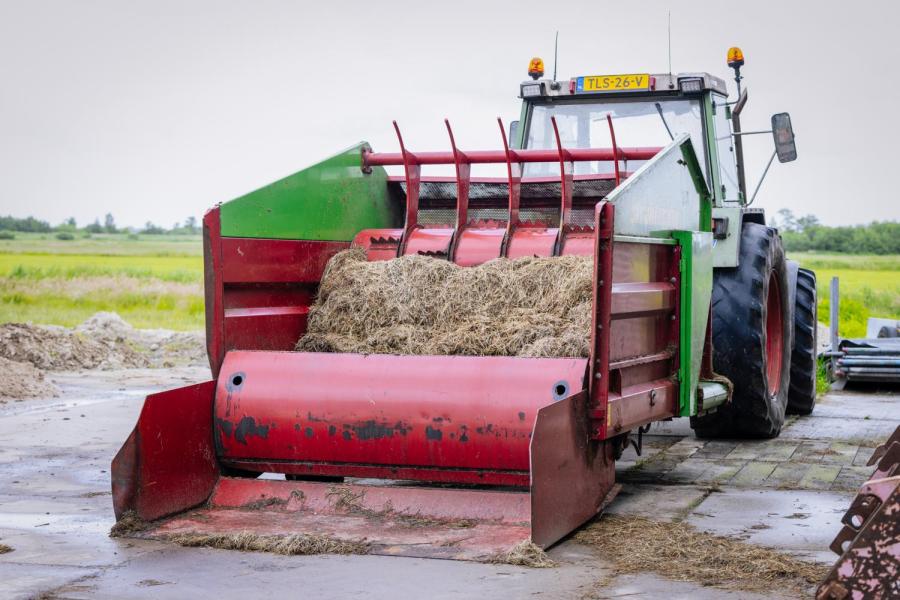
[
  {"x": 104, "y": 341},
  {"x": 20, "y": 380},
  {"x": 61, "y": 349},
  {"x": 419, "y": 305}
]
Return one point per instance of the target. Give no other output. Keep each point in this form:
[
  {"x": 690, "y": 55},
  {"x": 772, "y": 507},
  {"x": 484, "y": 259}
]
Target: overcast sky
[{"x": 157, "y": 110}]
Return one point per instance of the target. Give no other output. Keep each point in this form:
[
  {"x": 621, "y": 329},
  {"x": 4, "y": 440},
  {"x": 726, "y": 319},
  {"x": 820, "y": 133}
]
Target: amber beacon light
[{"x": 536, "y": 68}]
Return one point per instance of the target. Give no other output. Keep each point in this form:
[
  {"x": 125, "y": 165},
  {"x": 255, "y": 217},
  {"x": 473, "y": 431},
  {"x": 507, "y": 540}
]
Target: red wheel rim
[{"x": 774, "y": 336}]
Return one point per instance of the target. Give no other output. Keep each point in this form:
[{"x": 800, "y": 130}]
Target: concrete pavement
[{"x": 55, "y": 508}]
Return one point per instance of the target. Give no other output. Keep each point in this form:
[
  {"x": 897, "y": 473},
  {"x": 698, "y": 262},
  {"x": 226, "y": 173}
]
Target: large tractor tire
[
  {"x": 802, "y": 392},
  {"x": 752, "y": 330}
]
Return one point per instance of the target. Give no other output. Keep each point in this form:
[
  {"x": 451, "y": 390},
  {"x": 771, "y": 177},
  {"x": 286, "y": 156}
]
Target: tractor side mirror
[
  {"x": 784, "y": 137},
  {"x": 513, "y": 134}
]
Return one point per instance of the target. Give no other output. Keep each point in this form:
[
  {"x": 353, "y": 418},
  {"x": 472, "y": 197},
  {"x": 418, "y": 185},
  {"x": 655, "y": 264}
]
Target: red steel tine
[
  {"x": 413, "y": 173},
  {"x": 514, "y": 177},
  {"x": 565, "y": 177},
  {"x": 463, "y": 170},
  {"x": 612, "y": 136}
]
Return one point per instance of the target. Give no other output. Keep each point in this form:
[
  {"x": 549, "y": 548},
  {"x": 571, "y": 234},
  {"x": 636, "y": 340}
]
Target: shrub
[
  {"x": 65, "y": 236},
  {"x": 7, "y": 235}
]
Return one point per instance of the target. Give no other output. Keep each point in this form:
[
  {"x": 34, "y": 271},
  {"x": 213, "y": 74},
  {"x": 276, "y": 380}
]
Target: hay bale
[{"x": 535, "y": 307}]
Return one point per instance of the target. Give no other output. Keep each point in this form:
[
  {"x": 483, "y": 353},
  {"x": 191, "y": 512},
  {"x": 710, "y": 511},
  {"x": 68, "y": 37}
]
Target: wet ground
[{"x": 55, "y": 508}]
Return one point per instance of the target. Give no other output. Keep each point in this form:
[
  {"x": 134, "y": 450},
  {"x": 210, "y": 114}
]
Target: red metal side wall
[{"x": 258, "y": 291}]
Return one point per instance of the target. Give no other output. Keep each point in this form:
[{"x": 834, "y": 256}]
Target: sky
[{"x": 157, "y": 110}]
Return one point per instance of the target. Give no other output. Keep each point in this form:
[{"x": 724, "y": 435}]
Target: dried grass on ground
[
  {"x": 524, "y": 554},
  {"x": 4, "y": 548},
  {"x": 680, "y": 552},
  {"x": 296, "y": 544},
  {"x": 532, "y": 307},
  {"x": 346, "y": 500},
  {"x": 20, "y": 380},
  {"x": 128, "y": 524}
]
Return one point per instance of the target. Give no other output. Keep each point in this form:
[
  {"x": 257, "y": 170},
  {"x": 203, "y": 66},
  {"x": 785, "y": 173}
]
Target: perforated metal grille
[
  {"x": 437, "y": 216},
  {"x": 488, "y": 202},
  {"x": 446, "y": 190},
  {"x": 582, "y": 217},
  {"x": 488, "y": 214}
]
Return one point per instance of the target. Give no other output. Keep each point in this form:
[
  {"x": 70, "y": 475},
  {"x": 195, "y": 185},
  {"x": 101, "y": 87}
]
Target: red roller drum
[{"x": 451, "y": 416}]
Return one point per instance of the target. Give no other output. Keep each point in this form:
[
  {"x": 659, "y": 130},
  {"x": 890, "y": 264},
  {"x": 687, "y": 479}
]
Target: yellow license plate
[{"x": 613, "y": 83}]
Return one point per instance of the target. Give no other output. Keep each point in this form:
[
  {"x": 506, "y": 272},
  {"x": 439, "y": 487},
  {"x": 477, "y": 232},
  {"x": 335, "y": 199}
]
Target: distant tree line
[
  {"x": 806, "y": 233},
  {"x": 70, "y": 226}
]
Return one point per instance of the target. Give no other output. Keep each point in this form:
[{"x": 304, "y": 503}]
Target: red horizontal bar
[
  {"x": 252, "y": 260},
  {"x": 367, "y": 471},
  {"x": 640, "y": 404},
  {"x": 630, "y": 300},
  {"x": 372, "y": 159},
  {"x": 265, "y": 311},
  {"x": 504, "y": 180}
]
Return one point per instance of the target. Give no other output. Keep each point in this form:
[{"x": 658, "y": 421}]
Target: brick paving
[{"x": 825, "y": 451}]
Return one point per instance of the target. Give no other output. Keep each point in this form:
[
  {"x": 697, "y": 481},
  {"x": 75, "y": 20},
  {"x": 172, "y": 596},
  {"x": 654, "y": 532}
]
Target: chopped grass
[
  {"x": 296, "y": 544},
  {"x": 128, "y": 524},
  {"x": 680, "y": 552},
  {"x": 346, "y": 500},
  {"x": 535, "y": 307},
  {"x": 524, "y": 554}
]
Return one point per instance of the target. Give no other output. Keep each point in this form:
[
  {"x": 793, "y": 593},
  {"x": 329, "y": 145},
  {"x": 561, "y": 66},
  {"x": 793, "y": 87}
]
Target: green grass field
[
  {"x": 157, "y": 281},
  {"x": 869, "y": 287},
  {"x": 151, "y": 281}
]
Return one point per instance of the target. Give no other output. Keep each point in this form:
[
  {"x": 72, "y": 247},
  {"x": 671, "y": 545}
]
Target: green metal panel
[
  {"x": 709, "y": 129},
  {"x": 524, "y": 117},
  {"x": 725, "y": 252},
  {"x": 329, "y": 201},
  {"x": 696, "y": 291},
  {"x": 690, "y": 157},
  {"x": 662, "y": 194}
]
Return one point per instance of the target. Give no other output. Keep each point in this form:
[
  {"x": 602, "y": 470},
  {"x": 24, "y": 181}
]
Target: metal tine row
[{"x": 462, "y": 162}]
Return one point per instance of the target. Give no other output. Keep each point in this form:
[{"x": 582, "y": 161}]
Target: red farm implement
[{"x": 465, "y": 456}]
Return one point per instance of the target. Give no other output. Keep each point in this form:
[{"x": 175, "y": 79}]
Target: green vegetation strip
[
  {"x": 182, "y": 269},
  {"x": 156, "y": 281}
]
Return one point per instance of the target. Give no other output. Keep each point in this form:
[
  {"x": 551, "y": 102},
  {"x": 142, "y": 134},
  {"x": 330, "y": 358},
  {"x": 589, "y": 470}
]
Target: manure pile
[{"x": 533, "y": 307}]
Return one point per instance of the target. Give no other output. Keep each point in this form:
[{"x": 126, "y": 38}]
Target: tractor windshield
[{"x": 636, "y": 123}]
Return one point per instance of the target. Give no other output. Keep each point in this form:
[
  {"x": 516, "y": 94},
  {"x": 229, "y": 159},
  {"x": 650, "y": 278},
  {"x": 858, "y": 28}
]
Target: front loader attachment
[
  {"x": 438, "y": 456},
  {"x": 515, "y": 424}
]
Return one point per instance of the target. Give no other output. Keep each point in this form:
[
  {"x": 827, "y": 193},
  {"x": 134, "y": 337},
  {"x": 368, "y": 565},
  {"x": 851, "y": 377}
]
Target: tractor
[{"x": 695, "y": 312}]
